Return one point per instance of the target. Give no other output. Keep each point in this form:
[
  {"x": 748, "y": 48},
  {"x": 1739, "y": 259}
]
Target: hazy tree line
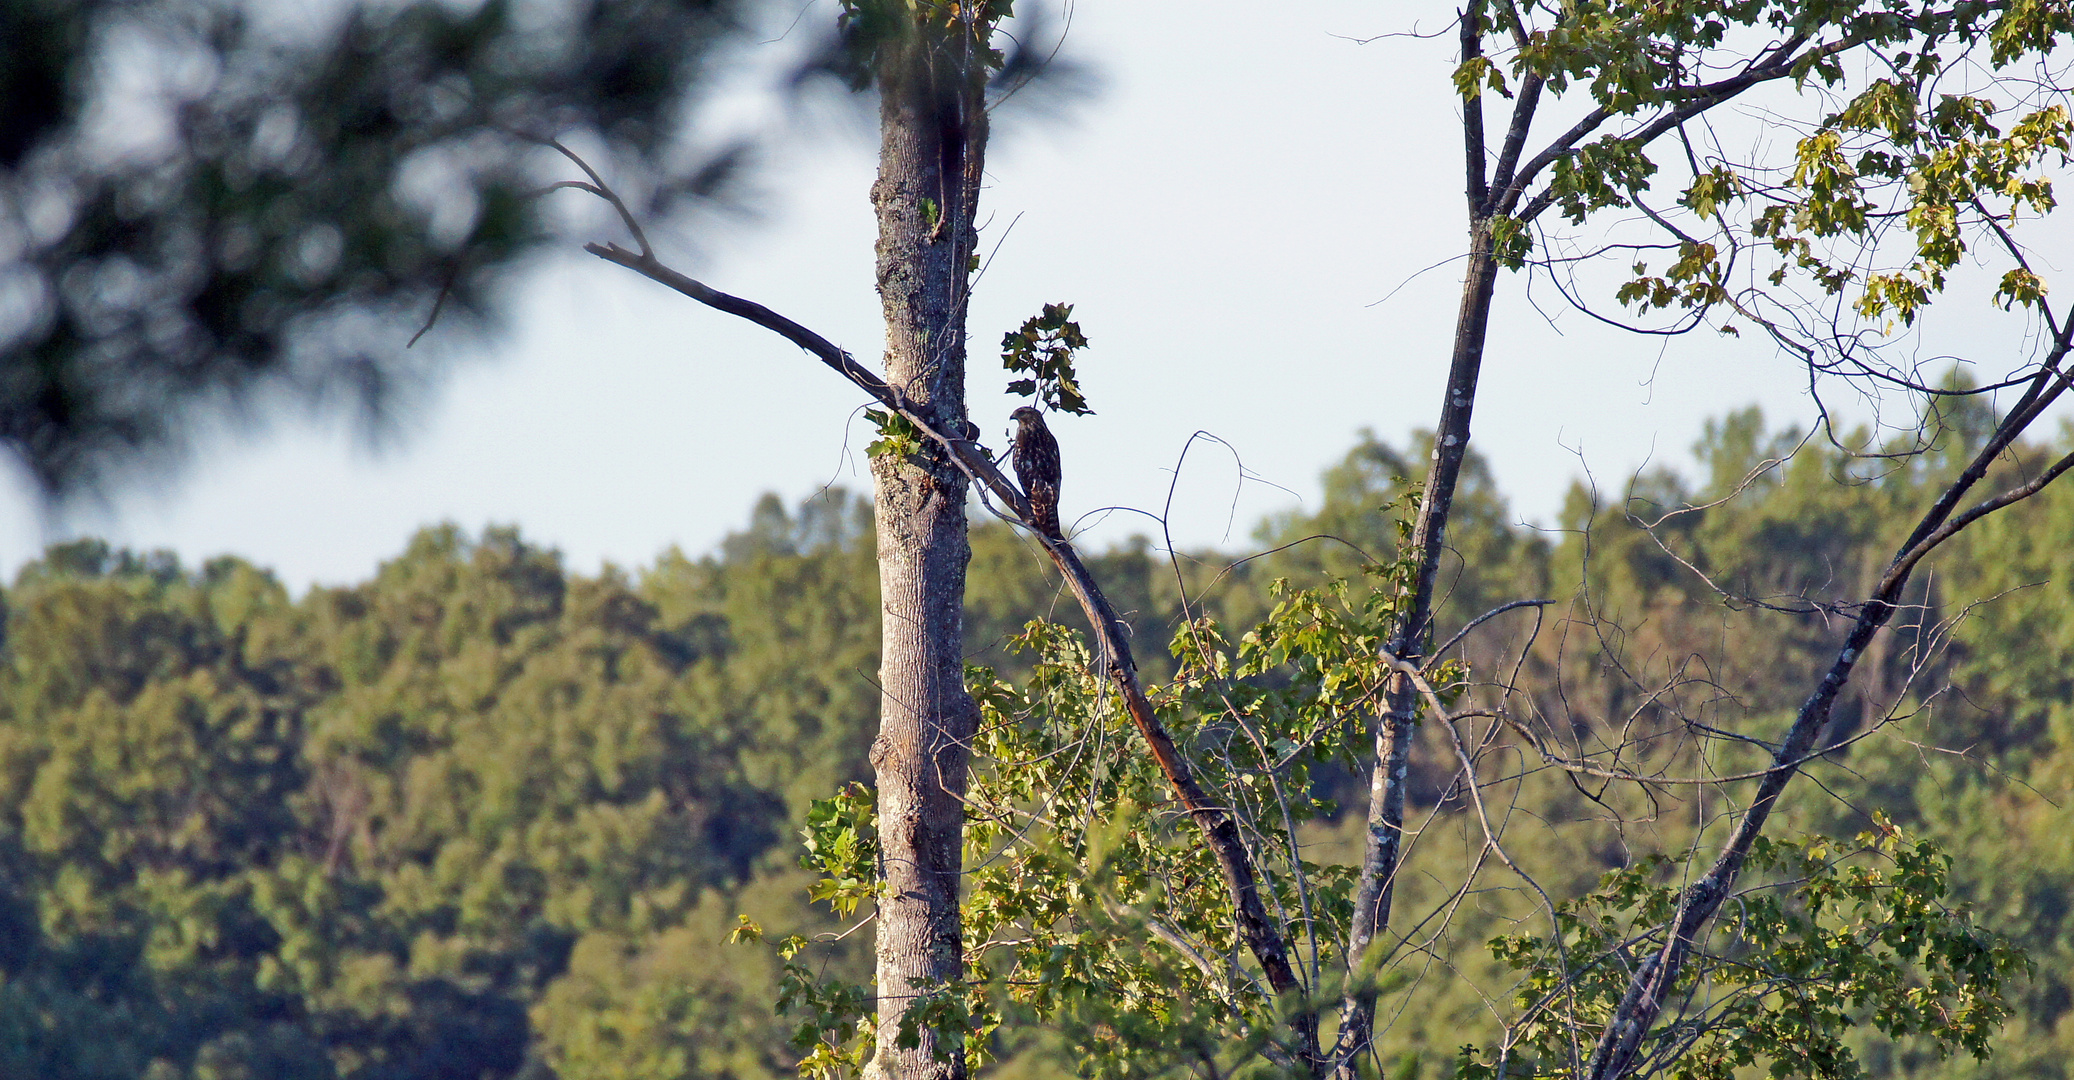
[{"x": 482, "y": 816}]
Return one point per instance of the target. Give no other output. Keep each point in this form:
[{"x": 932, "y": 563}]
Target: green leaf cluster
[
  {"x": 1816, "y": 941},
  {"x": 1925, "y": 140},
  {"x": 1043, "y": 349},
  {"x": 898, "y": 436}
]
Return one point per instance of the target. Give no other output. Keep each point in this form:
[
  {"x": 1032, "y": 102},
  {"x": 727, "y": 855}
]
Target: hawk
[{"x": 1036, "y": 459}]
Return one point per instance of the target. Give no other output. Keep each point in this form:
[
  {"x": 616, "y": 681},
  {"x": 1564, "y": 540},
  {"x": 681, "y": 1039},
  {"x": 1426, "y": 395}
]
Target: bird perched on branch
[{"x": 1036, "y": 460}]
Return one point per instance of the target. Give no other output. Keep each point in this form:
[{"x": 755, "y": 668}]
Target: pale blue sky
[{"x": 1226, "y": 215}]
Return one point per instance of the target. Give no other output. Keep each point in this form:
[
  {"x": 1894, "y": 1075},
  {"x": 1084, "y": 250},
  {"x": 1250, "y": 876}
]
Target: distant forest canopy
[{"x": 480, "y": 816}]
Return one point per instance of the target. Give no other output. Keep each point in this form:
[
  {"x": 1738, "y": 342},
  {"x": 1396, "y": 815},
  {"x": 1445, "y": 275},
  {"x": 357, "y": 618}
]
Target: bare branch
[{"x": 1480, "y": 620}]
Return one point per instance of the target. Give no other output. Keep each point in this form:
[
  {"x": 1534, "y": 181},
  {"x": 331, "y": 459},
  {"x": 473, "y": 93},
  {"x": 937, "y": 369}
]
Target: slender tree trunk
[
  {"x": 933, "y": 135},
  {"x": 1383, "y": 848}
]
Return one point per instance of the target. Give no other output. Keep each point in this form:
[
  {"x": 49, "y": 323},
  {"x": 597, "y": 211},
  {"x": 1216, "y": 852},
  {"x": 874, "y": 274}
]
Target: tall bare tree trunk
[
  {"x": 1394, "y": 728},
  {"x": 933, "y": 136},
  {"x": 1383, "y": 849}
]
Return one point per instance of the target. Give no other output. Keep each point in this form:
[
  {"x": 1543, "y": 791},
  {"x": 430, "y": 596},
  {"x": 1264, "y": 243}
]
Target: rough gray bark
[
  {"x": 933, "y": 132},
  {"x": 1394, "y": 730}
]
